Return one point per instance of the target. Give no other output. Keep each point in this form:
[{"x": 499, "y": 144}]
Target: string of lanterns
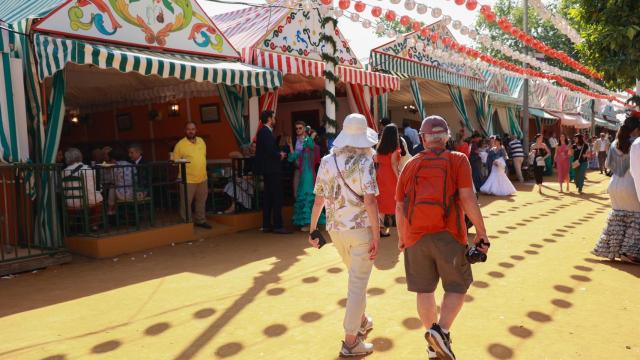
[
  {"x": 557, "y": 21},
  {"x": 390, "y": 15}
]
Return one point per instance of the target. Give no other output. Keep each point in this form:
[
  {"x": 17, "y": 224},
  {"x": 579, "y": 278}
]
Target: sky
[{"x": 363, "y": 40}]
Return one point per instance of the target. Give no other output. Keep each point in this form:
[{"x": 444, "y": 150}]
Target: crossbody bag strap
[{"x": 358, "y": 196}]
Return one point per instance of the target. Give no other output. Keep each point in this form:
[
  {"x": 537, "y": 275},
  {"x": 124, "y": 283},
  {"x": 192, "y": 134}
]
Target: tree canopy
[{"x": 611, "y": 33}]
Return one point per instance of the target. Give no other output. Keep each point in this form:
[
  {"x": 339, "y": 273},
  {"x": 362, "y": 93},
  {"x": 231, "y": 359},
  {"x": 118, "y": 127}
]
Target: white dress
[{"x": 498, "y": 183}]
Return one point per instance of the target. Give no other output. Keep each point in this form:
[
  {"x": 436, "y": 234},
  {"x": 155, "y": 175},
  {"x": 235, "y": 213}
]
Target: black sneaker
[
  {"x": 203, "y": 225},
  {"x": 440, "y": 342}
]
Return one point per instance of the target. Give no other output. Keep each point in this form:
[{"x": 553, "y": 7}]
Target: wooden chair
[{"x": 83, "y": 219}]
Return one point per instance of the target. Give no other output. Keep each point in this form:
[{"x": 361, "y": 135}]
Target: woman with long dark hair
[
  {"x": 388, "y": 160},
  {"x": 563, "y": 153},
  {"x": 620, "y": 238},
  {"x": 581, "y": 156},
  {"x": 540, "y": 152}
]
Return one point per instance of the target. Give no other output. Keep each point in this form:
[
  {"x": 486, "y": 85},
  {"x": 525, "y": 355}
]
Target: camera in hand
[
  {"x": 474, "y": 255},
  {"x": 316, "y": 234}
]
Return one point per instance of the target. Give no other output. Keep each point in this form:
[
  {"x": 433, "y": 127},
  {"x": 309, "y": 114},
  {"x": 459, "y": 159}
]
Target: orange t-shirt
[{"x": 460, "y": 172}]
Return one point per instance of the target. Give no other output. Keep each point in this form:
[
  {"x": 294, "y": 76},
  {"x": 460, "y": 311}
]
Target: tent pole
[{"x": 525, "y": 95}]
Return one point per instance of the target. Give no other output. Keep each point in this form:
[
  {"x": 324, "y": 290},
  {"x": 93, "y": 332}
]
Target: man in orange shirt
[{"x": 433, "y": 194}]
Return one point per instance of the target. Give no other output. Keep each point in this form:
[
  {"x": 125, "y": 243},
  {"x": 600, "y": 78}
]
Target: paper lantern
[
  {"x": 425, "y": 32},
  {"x": 422, "y": 9},
  {"x": 491, "y": 17},
  {"x": 446, "y": 20},
  {"x": 380, "y": 28},
  {"x": 411, "y": 42},
  {"x": 464, "y": 30},
  {"x": 420, "y": 46},
  {"x": 391, "y": 33},
  {"x": 484, "y": 9},
  {"x": 338, "y": 13},
  {"x": 405, "y": 20},
  {"x": 366, "y": 23},
  {"x": 409, "y": 5},
  {"x": 326, "y": 2},
  {"x": 344, "y": 4},
  {"x": 436, "y": 12},
  {"x": 446, "y": 41},
  {"x": 459, "y": 2},
  {"x": 471, "y": 5},
  {"x": 376, "y": 11},
  {"x": 434, "y": 37},
  {"x": 359, "y": 6},
  {"x": 457, "y": 24},
  {"x": 354, "y": 17},
  {"x": 395, "y": 1},
  {"x": 390, "y": 15},
  {"x": 416, "y": 26}
]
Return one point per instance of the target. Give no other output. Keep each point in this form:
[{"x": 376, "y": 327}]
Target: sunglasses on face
[{"x": 299, "y": 128}]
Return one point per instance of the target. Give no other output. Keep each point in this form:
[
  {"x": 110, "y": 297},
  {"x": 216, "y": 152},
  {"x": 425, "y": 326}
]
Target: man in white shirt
[
  {"x": 602, "y": 147},
  {"x": 411, "y": 133},
  {"x": 76, "y": 169}
]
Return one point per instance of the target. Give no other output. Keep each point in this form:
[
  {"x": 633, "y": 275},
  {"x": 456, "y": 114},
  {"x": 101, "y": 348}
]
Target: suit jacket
[{"x": 267, "y": 160}]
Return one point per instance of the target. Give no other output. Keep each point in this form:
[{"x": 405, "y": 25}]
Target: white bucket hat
[{"x": 356, "y": 133}]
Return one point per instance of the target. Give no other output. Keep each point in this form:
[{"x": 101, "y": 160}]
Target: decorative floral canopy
[{"x": 173, "y": 25}]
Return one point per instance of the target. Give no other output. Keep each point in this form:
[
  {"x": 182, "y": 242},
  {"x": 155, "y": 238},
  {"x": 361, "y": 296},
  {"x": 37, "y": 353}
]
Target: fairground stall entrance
[
  {"x": 291, "y": 39},
  {"x": 118, "y": 78}
]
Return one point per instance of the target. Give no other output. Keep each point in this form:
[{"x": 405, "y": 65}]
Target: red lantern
[
  {"x": 484, "y": 9},
  {"x": 455, "y": 46},
  {"x": 425, "y": 32},
  {"x": 326, "y": 2},
  {"x": 491, "y": 17},
  {"x": 390, "y": 15},
  {"x": 471, "y": 5},
  {"x": 434, "y": 37},
  {"x": 344, "y": 4},
  {"x": 405, "y": 20},
  {"x": 416, "y": 26},
  {"x": 446, "y": 41},
  {"x": 376, "y": 11},
  {"x": 459, "y": 2},
  {"x": 359, "y": 6},
  {"x": 507, "y": 26}
]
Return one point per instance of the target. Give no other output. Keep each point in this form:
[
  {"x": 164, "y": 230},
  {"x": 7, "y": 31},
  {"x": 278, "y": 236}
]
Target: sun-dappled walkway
[{"x": 541, "y": 295}]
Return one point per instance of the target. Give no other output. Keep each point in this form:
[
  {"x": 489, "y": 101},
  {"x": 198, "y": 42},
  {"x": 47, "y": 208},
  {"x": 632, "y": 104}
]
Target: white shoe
[
  {"x": 358, "y": 349},
  {"x": 365, "y": 326},
  {"x": 431, "y": 354}
]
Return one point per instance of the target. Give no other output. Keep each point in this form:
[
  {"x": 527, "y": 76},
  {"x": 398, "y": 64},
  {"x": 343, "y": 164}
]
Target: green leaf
[
  {"x": 631, "y": 33},
  {"x": 168, "y": 5}
]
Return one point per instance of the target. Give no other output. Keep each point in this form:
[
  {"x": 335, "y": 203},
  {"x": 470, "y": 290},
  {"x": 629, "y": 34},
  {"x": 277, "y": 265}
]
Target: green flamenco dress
[
  {"x": 572, "y": 171},
  {"x": 305, "y": 197}
]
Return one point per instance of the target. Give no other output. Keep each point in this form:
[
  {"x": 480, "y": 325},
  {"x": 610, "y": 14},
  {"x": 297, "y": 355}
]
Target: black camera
[
  {"x": 316, "y": 234},
  {"x": 474, "y": 255}
]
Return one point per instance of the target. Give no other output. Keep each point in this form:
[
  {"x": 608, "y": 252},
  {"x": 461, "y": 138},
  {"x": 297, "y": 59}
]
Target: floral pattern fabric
[{"x": 345, "y": 211}]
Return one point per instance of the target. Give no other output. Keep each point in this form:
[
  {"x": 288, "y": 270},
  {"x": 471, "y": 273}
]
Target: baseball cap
[{"x": 434, "y": 125}]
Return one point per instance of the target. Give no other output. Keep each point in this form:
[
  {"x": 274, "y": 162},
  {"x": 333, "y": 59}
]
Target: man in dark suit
[
  {"x": 142, "y": 172},
  {"x": 268, "y": 163}
]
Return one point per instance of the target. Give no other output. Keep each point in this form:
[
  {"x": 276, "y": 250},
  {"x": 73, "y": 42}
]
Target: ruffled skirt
[{"x": 621, "y": 235}]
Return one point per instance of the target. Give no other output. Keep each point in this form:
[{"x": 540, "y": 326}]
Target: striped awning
[
  {"x": 412, "y": 68},
  {"x": 15, "y": 10},
  {"x": 606, "y": 124},
  {"x": 539, "y": 113},
  {"x": 5, "y": 46},
  {"x": 54, "y": 53},
  {"x": 298, "y": 65}
]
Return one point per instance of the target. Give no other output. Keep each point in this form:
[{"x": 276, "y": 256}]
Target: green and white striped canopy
[
  {"x": 53, "y": 53},
  {"x": 408, "y": 68},
  {"x": 5, "y": 46}
]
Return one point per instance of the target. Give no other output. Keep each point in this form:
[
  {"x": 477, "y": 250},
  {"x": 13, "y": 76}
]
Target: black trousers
[
  {"x": 538, "y": 172},
  {"x": 272, "y": 199}
]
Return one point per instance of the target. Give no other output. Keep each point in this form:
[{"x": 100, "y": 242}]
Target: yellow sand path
[{"x": 541, "y": 295}]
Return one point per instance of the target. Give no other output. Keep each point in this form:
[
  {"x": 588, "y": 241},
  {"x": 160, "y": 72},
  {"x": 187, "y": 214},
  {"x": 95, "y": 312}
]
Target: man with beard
[{"x": 193, "y": 150}]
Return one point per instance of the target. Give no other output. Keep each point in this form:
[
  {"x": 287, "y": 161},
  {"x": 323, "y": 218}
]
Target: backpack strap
[{"x": 75, "y": 170}]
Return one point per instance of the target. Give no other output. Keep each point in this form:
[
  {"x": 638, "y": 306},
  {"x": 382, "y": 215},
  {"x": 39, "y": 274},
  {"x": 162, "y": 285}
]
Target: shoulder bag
[
  {"x": 576, "y": 163},
  {"x": 358, "y": 196}
]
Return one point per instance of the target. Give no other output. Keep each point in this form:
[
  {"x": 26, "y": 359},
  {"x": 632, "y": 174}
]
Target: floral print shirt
[{"x": 344, "y": 210}]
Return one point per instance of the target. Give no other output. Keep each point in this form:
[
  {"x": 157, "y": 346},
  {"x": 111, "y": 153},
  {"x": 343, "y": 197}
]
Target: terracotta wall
[
  {"x": 101, "y": 129},
  {"x": 284, "y": 125}
]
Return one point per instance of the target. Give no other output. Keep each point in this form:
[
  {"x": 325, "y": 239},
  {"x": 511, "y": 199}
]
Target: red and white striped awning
[{"x": 297, "y": 65}]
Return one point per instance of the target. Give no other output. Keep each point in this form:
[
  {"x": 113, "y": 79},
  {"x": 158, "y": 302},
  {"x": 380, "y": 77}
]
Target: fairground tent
[
  {"x": 431, "y": 85},
  {"x": 289, "y": 40},
  {"x": 136, "y": 41}
]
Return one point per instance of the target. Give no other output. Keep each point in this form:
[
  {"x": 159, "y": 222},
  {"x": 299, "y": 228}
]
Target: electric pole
[{"x": 525, "y": 93}]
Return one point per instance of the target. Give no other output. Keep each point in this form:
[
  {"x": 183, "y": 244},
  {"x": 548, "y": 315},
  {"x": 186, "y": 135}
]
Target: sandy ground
[{"x": 541, "y": 295}]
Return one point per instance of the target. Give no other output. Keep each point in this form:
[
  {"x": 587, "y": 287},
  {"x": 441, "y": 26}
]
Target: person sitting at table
[
  {"x": 122, "y": 180},
  {"x": 243, "y": 190},
  {"x": 76, "y": 168}
]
